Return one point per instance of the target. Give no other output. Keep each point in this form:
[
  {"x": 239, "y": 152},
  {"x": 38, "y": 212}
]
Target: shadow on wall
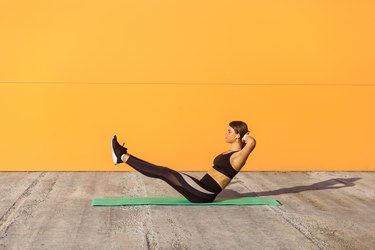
[{"x": 328, "y": 184}]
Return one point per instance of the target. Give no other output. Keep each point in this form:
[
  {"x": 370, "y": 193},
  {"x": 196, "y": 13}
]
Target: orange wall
[{"x": 167, "y": 77}]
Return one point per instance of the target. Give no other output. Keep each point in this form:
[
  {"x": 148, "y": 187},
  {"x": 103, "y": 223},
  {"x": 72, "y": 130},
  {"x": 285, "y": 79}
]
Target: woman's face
[{"x": 231, "y": 135}]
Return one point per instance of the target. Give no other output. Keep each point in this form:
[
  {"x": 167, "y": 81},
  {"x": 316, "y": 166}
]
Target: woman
[{"x": 226, "y": 166}]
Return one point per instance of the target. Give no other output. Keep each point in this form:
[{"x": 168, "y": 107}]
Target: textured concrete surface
[{"x": 320, "y": 210}]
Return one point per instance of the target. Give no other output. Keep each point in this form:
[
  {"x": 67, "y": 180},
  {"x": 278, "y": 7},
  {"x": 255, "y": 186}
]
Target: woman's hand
[{"x": 246, "y": 138}]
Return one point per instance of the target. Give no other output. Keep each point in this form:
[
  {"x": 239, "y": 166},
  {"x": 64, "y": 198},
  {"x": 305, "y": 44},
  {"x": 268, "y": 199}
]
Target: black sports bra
[
  {"x": 222, "y": 164},
  {"x": 219, "y": 176}
]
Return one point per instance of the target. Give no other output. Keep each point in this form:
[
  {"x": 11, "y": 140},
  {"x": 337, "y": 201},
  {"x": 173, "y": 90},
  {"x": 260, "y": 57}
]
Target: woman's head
[{"x": 235, "y": 132}]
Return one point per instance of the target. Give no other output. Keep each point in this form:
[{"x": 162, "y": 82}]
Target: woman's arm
[{"x": 239, "y": 158}]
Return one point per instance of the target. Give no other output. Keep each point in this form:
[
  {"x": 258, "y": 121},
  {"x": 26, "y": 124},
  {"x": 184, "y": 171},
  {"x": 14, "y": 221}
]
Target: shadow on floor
[{"x": 328, "y": 184}]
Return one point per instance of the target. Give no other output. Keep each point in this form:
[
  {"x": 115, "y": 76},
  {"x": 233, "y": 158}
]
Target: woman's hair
[{"x": 241, "y": 128}]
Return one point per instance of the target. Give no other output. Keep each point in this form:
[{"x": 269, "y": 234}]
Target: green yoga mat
[{"x": 181, "y": 201}]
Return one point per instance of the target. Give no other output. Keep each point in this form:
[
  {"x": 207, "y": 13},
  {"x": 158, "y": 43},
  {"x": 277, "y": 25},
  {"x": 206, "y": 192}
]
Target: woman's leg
[{"x": 190, "y": 187}]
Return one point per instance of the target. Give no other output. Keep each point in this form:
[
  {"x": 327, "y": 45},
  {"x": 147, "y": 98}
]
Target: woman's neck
[{"x": 235, "y": 146}]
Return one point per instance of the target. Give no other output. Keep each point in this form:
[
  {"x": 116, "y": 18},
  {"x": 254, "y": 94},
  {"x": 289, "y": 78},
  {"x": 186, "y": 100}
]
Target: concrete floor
[{"x": 320, "y": 210}]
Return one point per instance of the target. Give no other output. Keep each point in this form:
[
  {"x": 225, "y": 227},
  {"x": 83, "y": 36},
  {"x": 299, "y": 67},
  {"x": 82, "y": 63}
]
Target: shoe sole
[{"x": 114, "y": 157}]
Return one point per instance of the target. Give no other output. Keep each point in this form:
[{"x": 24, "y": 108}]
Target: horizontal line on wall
[{"x": 155, "y": 83}]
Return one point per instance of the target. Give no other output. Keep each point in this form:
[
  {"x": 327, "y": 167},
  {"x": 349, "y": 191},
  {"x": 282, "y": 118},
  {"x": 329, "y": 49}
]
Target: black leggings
[{"x": 190, "y": 187}]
